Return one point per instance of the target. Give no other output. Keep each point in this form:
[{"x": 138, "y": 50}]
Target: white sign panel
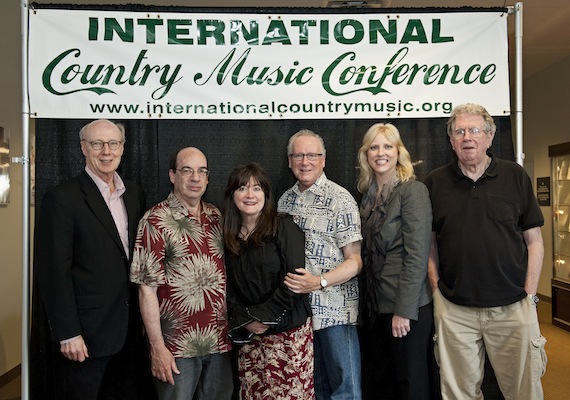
[{"x": 87, "y": 64}]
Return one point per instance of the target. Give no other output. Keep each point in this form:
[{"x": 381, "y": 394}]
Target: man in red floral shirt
[{"x": 178, "y": 262}]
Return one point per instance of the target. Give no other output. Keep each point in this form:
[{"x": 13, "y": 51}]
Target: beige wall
[
  {"x": 546, "y": 122},
  {"x": 11, "y": 215}
]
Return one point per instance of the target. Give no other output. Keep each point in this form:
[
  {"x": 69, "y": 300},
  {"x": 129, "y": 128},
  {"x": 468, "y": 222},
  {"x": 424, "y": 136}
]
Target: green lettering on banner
[
  {"x": 436, "y": 33},
  {"x": 177, "y": 29},
  {"x": 325, "y": 32},
  {"x": 257, "y": 75},
  {"x": 382, "y": 60},
  {"x": 303, "y": 26},
  {"x": 276, "y": 33},
  {"x": 340, "y": 28},
  {"x": 150, "y": 28},
  {"x": 46, "y": 76},
  {"x": 397, "y": 73},
  {"x": 345, "y": 31},
  {"x": 106, "y": 74},
  {"x": 250, "y": 36},
  {"x": 414, "y": 32},
  {"x": 93, "y": 28},
  {"x": 217, "y": 32},
  {"x": 112, "y": 26},
  {"x": 390, "y": 36}
]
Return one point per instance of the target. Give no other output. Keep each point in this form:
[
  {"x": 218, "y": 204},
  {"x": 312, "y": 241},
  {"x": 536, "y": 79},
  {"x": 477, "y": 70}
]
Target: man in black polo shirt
[{"x": 485, "y": 263}]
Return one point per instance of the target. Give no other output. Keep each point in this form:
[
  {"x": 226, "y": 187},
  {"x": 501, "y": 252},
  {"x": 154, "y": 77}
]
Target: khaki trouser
[{"x": 510, "y": 335}]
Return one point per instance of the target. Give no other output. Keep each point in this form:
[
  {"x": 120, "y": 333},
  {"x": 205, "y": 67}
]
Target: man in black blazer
[{"x": 84, "y": 239}]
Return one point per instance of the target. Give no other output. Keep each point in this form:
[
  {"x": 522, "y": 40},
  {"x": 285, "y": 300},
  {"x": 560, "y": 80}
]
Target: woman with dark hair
[{"x": 270, "y": 322}]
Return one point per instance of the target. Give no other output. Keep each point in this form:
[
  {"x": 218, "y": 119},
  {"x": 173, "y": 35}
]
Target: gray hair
[
  {"x": 470, "y": 109},
  {"x": 119, "y": 126},
  {"x": 305, "y": 132}
]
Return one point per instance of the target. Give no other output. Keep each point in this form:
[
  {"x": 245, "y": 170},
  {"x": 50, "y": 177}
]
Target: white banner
[{"x": 88, "y": 64}]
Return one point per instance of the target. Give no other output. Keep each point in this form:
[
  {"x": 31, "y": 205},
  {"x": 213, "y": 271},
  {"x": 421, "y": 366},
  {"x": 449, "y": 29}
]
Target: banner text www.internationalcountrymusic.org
[{"x": 271, "y": 110}]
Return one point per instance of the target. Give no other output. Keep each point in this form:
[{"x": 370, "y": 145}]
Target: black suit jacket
[{"x": 80, "y": 264}]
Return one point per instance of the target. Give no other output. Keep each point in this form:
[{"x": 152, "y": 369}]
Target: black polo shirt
[{"x": 478, "y": 226}]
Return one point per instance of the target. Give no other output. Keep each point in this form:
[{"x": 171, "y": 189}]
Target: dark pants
[
  {"x": 122, "y": 376},
  {"x": 79, "y": 380},
  {"x": 398, "y": 368}
]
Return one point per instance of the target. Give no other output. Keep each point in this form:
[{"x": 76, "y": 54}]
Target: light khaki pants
[{"x": 510, "y": 336}]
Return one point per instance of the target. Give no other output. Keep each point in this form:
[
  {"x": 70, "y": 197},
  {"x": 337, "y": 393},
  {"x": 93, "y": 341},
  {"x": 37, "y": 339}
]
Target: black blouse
[{"x": 255, "y": 289}]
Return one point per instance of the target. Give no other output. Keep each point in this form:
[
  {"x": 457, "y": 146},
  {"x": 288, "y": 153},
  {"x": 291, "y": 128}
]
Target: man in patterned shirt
[
  {"x": 178, "y": 262},
  {"x": 329, "y": 216}
]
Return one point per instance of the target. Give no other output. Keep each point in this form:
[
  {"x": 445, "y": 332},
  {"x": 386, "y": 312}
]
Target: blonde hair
[{"x": 404, "y": 167}]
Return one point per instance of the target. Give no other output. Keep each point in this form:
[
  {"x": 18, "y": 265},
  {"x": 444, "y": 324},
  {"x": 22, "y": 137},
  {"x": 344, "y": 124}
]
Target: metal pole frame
[
  {"x": 25, "y": 161},
  {"x": 517, "y": 10}
]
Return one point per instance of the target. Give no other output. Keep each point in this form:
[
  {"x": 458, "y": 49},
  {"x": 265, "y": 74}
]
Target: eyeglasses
[
  {"x": 310, "y": 156},
  {"x": 99, "y": 144},
  {"x": 187, "y": 171},
  {"x": 472, "y": 131}
]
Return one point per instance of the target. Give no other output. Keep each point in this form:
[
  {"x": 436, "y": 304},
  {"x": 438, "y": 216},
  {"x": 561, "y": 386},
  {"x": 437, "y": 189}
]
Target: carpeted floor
[
  {"x": 556, "y": 382},
  {"x": 11, "y": 390}
]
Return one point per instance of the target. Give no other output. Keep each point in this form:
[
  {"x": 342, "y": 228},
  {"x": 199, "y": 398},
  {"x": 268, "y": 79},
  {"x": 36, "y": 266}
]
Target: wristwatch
[
  {"x": 324, "y": 282},
  {"x": 534, "y": 298}
]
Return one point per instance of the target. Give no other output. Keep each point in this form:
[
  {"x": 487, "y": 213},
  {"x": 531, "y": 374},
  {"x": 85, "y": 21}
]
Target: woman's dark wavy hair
[{"x": 266, "y": 224}]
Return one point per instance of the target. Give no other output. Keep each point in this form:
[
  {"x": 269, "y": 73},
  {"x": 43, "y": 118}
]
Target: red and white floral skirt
[{"x": 278, "y": 366}]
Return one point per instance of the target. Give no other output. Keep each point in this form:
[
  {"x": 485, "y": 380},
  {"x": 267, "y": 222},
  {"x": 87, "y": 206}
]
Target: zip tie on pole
[{"x": 20, "y": 160}]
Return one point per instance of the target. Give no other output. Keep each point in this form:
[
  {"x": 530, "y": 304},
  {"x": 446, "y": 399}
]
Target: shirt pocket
[{"x": 502, "y": 209}]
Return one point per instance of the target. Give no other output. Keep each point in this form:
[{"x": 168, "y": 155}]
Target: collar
[
  {"x": 491, "y": 171},
  {"x": 103, "y": 186},
  {"x": 178, "y": 210},
  {"x": 317, "y": 188}
]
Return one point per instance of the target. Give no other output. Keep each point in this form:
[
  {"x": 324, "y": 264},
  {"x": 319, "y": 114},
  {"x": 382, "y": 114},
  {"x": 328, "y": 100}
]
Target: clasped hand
[
  {"x": 256, "y": 327},
  {"x": 302, "y": 281}
]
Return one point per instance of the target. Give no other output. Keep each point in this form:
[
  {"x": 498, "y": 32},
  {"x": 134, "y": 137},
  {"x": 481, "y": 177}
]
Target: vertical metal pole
[
  {"x": 519, "y": 83},
  {"x": 25, "y": 209}
]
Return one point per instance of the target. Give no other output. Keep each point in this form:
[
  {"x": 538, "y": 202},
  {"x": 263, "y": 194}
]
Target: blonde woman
[{"x": 397, "y": 311}]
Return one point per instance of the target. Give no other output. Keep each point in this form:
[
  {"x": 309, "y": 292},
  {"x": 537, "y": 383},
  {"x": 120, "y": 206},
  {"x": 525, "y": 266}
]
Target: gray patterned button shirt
[{"x": 329, "y": 216}]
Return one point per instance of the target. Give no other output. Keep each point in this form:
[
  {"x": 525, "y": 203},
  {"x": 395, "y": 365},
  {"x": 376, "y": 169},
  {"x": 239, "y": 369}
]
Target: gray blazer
[{"x": 406, "y": 234}]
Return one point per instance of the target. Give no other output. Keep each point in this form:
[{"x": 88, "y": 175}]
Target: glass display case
[{"x": 560, "y": 157}]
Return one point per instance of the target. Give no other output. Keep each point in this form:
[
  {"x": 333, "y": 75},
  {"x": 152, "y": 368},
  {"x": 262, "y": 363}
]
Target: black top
[
  {"x": 483, "y": 257},
  {"x": 255, "y": 283}
]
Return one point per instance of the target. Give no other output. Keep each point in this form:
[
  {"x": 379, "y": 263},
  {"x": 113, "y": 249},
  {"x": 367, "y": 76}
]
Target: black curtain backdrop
[
  {"x": 226, "y": 144},
  {"x": 229, "y": 143}
]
